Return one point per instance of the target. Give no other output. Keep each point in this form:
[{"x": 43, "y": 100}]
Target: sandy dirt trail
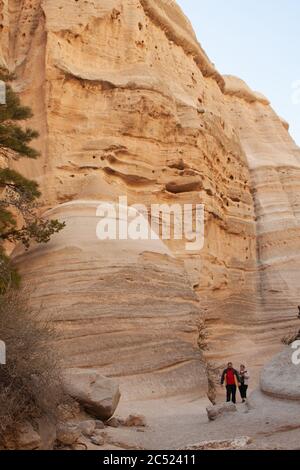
[{"x": 176, "y": 423}]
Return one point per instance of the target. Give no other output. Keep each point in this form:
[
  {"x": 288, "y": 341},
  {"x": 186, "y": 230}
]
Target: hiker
[
  {"x": 244, "y": 381},
  {"x": 299, "y": 311},
  {"x": 231, "y": 379}
]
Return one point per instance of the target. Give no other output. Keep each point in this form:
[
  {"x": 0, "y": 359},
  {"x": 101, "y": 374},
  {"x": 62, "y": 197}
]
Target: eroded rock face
[
  {"x": 127, "y": 103},
  {"x": 274, "y": 163},
  {"x": 124, "y": 308}
]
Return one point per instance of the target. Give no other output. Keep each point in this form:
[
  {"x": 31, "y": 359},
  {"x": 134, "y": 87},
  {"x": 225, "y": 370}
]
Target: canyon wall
[{"x": 127, "y": 103}]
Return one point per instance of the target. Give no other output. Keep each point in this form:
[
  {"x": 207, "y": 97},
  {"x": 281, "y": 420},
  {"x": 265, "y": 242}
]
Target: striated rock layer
[
  {"x": 124, "y": 308},
  {"x": 127, "y": 103}
]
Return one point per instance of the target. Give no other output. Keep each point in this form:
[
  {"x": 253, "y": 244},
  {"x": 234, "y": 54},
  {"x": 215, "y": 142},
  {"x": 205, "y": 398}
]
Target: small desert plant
[{"x": 30, "y": 385}]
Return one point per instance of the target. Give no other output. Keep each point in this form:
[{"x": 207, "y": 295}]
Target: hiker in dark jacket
[{"x": 231, "y": 379}]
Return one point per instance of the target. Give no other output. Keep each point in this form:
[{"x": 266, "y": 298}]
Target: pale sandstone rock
[
  {"x": 229, "y": 444},
  {"x": 234, "y": 86},
  {"x": 274, "y": 163},
  {"x": 122, "y": 134},
  {"x": 97, "y": 394},
  {"x": 87, "y": 427},
  {"x": 216, "y": 411},
  {"x": 99, "y": 432},
  {"x": 97, "y": 440},
  {"x": 274, "y": 407},
  {"x": 123, "y": 308},
  {"x": 114, "y": 423},
  {"x": 85, "y": 443},
  {"x": 281, "y": 377},
  {"x": 4, "y": 33},
  {"x": 99, "y": 425}
]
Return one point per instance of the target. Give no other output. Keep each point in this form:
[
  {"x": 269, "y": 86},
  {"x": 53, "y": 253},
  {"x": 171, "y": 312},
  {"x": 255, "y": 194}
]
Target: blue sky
[{"x": 257, "y": 40}]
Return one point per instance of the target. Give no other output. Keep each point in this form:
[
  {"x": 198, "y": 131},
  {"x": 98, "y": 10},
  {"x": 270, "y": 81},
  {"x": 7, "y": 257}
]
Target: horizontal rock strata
[{"x": 127, "y": 103}]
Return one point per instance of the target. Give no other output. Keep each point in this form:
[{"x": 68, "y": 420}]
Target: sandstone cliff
[{"x": 127, "y": 102}]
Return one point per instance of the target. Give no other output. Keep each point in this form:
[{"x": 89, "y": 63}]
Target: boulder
[
  {"x": 87, "y": 427},
  {"x": 27, "y": 438},
  {"x": 99, "y": 424},
  {"x": 114, "y": 423},
  {"x": 281, "y": 377},
  {"x": 67, "y": 434},
  {"x": 214, "y": 412},
  {"x": 97, "y": 440},
  {"x": 99, "y": 432},
  {"x": 97, "y": 394},
  {"x": 85, "y": 443}
]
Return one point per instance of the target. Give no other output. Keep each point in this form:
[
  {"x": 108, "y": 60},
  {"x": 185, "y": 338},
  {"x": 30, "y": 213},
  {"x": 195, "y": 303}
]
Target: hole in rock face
[
  {"x": 176, "y": 188},
  {"x": 112, "y": 159},
  {"x": 178, "y": 165},
  {"x": 140, "y": 26}
]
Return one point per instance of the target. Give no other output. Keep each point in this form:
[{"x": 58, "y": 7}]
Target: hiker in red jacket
[{"x": 231, "y": 379}]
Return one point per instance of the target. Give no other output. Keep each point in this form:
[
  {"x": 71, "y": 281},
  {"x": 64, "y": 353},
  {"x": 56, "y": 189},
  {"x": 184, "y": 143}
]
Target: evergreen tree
[{"x": 18, "y": 195}]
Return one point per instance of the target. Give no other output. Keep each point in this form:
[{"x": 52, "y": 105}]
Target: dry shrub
[{"x": 30, "y": 380}]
